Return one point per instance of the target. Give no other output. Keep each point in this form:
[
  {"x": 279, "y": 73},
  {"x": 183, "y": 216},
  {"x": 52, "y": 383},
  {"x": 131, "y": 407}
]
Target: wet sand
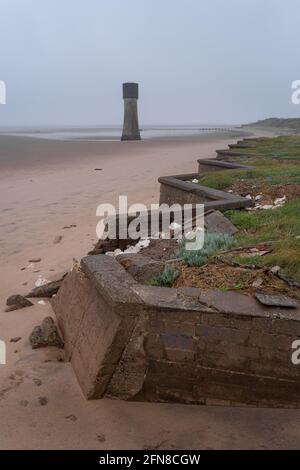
[{"x": 46, "y": 186}]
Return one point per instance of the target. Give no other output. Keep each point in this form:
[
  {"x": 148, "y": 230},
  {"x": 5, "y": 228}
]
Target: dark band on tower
[{"x": 131, "y": 129}]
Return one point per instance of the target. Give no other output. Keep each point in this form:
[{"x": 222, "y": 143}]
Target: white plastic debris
[
  {"x": 275, "y": 269},
  {"x": 248, "y": 196},
  {"x": 143, "y": 243},
  {"x": 280, "y": 201},
  {"x": 41, "y": 302},
  {"x": 110, "y": 253},
  {"x": 117, "y": 252},
  {"x": 195, "y": 180},
  {"x": 41, "y": 281},
  {"x": 132, "y": 249}
]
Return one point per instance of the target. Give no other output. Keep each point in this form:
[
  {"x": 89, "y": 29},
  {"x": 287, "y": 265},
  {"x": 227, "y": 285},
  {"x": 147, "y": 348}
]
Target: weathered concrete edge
[
  {"x": 110, "y": 279},
  {"x": 226, "y": 165},
  {"x": 109, "y": 272},
  {"x": 219, "y": 199}
]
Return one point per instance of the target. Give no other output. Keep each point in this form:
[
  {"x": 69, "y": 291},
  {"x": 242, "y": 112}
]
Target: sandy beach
[{"x": 49, "y": 194}]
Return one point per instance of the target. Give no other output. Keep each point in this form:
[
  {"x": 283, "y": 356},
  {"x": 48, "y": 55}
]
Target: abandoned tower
[{"x": 131, "y": 129}]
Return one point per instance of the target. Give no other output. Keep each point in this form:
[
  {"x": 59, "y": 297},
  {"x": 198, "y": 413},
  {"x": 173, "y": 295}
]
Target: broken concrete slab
[
  {"x": 46, "y": 290},
  {"x": 45, "y": 335},
  {"x": 216, "y": 222},
  {"x": 276, "y": 300},
  {"x": 142, "y": 268},
  {"x": 137, "y": 342}
]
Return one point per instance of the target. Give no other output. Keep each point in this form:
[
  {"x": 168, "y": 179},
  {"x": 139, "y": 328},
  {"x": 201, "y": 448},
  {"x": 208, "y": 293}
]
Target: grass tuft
[
  {"x": 165, "y": 279},
  {"x": 213, "y": 243}
]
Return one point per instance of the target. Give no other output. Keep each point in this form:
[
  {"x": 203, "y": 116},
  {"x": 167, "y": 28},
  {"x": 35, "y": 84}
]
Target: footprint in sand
[{"x": 57, "y": 239}]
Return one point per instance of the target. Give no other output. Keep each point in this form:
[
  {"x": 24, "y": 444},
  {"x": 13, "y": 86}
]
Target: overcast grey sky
[{"x": 197, "y": 61}]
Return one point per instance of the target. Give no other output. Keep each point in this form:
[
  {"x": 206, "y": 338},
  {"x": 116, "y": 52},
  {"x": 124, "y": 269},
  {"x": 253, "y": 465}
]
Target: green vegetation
[
  {"x": 248, "y": 260},
  {"x": 165, "y": 279},
  {"x": 291, "y": 123},
  {"x": 278, "y": 163},
  {"x": 265, "y": 171},
  {"x": 213, "y": 243},
  {"x": 230, "y": 288},
  {"x": 275, "y": 161}
]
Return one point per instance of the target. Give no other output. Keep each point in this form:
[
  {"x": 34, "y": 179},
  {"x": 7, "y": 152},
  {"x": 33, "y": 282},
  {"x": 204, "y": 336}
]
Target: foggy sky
[{"x": 197, "y": 61}]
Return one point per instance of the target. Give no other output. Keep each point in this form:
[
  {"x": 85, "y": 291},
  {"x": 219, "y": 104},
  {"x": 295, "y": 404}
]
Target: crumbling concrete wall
[
  {"x": 135, "y": 342},
  {"x": 213, "y": 165},
  {"x": 179, "y": 189}
]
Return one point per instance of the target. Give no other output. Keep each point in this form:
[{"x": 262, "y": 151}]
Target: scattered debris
[
  {"x": 280, "y": 201},
  {"x": 98, "y": 169},
  {"x": 15, "y": 340},
  {"x": 227, "y": 276},
  {"x": 41, "y": 302},
  {"x": 143, "y": 243},
  {"x": 35, "y": 260},
  {"x": 45, "y": 335},
  {"x": 276, "y": 300},
  {"x": 101, "y": 438},
  {"x": 265, "y": 195},
  {"x": 16, "y": 302},
  {"x": 46, "y": 290},
  {"x": 69, "y": 226}
]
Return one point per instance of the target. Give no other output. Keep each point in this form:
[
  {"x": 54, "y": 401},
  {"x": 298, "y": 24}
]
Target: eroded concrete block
[{"x": 135, "y": 342}]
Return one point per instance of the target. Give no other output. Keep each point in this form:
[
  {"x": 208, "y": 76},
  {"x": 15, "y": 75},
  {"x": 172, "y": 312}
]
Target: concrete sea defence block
[{"x": 131, "y": 341}]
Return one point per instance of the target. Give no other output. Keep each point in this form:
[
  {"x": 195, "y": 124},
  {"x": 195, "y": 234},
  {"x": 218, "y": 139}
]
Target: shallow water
[{"x": 114, "y": 133}]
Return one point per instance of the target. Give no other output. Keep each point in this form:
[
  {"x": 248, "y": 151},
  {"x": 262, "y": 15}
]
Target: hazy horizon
[{"x": 197, "y": 62}]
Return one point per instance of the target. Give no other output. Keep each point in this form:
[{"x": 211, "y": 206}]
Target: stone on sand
[
  {"x": 45, "y": 335},
  {"x": 46, "y": 290},
  {"x": 16, "y": 302}
]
